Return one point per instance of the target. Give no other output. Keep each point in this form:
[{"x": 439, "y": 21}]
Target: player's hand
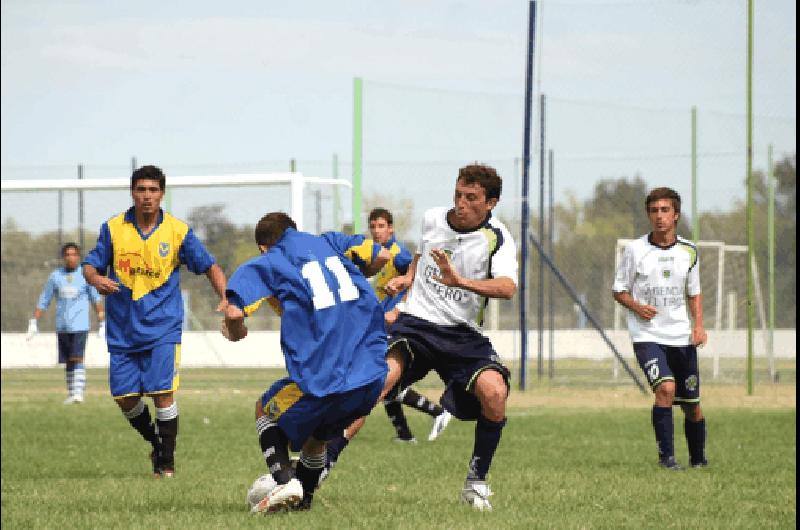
[
  {"x": 699, "y": 336},
  {"x": 396, "y": 285},
  {"x": 448, "y": 275},
  {"x": 33, "y": 329},
  {"x": 223, "y": 303},
  {"x": 647, "y": 312},
  {"x": 106, "y": 285},
  {"x": 101, "y": 329},
  {"x": 233, "y": 330}
]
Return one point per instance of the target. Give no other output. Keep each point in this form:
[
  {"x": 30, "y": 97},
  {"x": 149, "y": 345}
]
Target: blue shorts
[
  {"x": 145, "y": 373},
  {"x": 71, "y": 346},
  {"x": 301, "y": 416},
  {"x": 457, "y": 353},
  {"x": 671, "y": 363}
]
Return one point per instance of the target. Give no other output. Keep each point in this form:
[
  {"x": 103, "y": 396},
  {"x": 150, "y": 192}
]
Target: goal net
[{"x": 39, "y": 216}]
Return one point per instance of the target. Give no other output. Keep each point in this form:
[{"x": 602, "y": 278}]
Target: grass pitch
[{"x": 569, "y": 458}]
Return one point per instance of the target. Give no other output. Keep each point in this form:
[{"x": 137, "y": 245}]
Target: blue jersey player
[
  {"x": 136, "y": 264},
  {"x": 73, "y": 295},
  {"x": 333, "y": 341},
  {"x": 658, "y": 279}
]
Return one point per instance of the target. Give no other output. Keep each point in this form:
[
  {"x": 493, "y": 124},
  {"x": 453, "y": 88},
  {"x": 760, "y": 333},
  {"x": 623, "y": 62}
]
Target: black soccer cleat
[
  {"x": 699, "y": 464},
  {"x": 669, "y": 463}
]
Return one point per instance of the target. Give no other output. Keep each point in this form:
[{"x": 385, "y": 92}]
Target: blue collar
[{"x": 130, "y": 217}]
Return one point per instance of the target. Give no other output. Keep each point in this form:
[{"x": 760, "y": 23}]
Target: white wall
[{"x": 262, "y": 348}]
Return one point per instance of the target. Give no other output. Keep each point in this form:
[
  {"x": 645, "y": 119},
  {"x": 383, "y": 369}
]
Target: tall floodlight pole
[
  {"x": 771, "y": 256},
  {"x": 540, "y": 283},
  {"x": 525, "y": 214},
  {"x": 695, "y": 219},
  {"x": 358, "y": 117},
  {"x": 750, "y": 234},
  {"x": 550, "y": 299}
]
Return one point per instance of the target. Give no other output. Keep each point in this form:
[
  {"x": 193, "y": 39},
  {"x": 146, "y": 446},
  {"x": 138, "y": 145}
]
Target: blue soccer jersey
[
  {"x": 332, "y": 332},
  {"x": 72, "y": 295},
  {"x": 148, "y": 309}
]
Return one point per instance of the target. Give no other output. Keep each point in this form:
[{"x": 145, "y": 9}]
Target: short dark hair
[
  {"x": 378, "y": 213},
  {"x": 271, "y": 227},
  {"x": 483, "y": 175},
  {"x": 68, "y": 246},
  {"x": 664, "y": 193},
  {"x": 149, "y": 173}
]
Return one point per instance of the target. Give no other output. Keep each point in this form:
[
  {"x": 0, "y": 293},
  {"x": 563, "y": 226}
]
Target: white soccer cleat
[
  {"x": 70, "y": 400},
  {"x": 476, "y": 493},
  {"x": 439, "y": 424},
  {"x": 282, "y": 497},
  {"x": 78, "y": 399}
]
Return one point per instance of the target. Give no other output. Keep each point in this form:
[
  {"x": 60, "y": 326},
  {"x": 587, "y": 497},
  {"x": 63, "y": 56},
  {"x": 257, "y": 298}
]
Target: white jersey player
[{"x": 658, "y": 281}]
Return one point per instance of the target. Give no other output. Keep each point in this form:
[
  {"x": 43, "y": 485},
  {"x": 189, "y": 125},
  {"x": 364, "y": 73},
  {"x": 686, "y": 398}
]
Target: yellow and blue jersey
[
  {"x": 332, "y": 333},
  {"x": 398, "y": 265},
  {"x": 148, "y": 309}
]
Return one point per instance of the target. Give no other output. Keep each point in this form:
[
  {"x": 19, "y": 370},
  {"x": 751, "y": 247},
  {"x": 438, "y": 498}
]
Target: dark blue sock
[
  {"x": 487, "y": 438},
  {"x": 696, "y": 439},
  {"x": 334, "y": 449},
  {"x": 662, "y": 425}
]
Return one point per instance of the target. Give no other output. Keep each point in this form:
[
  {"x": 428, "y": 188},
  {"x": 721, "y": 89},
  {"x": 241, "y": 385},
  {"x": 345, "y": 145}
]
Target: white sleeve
[
  {"x": 693, "y": 278},
  {"x": 623, "y": 279},
  {"x": 504, "y": 261}
]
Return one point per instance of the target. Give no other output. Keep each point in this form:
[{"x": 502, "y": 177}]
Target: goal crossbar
[{"x": 297, "y": 182}]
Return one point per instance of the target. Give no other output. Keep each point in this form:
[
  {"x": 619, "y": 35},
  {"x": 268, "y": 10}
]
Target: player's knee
[
  {"x": 665, "y": 393},
  {"x": 693, "y": 411},
  {"x": 127, "y": 403},
  {"x": 259, "y": 409},
  {"x": 492, "y": 392}
]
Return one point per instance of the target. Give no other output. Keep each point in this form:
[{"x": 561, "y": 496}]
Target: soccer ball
[{"x": 262, "y": 487}]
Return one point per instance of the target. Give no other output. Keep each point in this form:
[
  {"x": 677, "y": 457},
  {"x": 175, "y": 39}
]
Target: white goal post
[{"x": 296, "y": 181}]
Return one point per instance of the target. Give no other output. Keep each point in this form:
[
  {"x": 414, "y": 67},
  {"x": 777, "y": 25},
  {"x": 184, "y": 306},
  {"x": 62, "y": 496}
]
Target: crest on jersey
[
  {"x": 69, "y": 278},
  {"x": 666, "y": 273},
  {"x": 163, "y": 249},
  {"x": 691, "y": 383}
]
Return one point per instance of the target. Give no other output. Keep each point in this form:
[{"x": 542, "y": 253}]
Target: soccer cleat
[
  {"x": 404, "y": 440},
  {"x": 70, "y": 400},
  {"x": 78, "y": 399},
  {"x": 439, "y": 424},
  {"x": 282, "y": 497},
  {"x": 476, "y": 493},
  {"x": 701, "y": 463},
  {"x": 669, "y": 463}
]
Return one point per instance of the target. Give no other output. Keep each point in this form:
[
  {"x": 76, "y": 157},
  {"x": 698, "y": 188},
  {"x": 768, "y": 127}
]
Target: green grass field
[{"x": 569, "y": 458}]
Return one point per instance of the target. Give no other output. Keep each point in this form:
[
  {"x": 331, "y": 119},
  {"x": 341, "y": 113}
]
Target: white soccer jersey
[
  {"x": 486, "y": 252},
  {"x": 661, "y": 277}
]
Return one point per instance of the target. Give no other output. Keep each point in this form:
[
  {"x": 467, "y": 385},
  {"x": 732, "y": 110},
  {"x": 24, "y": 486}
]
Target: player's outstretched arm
[
  {"x": 398, "y": 284},
  {"x": 233, "y": 327},
  {"x": 103, "y": 284},
  {"x": 217, "y": 280},
  {"x": 501, "y": 287}
]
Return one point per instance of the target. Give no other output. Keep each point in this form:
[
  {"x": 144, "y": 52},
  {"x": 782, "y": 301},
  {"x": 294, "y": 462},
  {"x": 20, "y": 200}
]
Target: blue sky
[{"x": 222, "y": 87}]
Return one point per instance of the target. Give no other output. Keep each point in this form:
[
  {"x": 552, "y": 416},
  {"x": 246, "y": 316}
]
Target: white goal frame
[{"x": 296, "y": 181}]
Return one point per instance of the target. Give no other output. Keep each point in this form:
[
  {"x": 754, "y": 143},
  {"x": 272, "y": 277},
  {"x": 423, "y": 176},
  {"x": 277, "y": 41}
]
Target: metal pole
[
  {"x": 550, "y": 298},
  {"x": 318, "y": 208},
  {"x": 358, "y": 138},
  {"x": 771, "y": 254},
  {"x": 750, "y": 233},
  {"x": 525, "y": 213},
  {"x": 540, "y": 283},
  {"x": 695, "y": 219},
  {"x": 80, "y": 208}
]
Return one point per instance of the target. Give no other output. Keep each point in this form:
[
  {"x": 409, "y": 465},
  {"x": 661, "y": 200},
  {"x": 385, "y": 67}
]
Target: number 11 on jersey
[{"x": 323, "y": 296}]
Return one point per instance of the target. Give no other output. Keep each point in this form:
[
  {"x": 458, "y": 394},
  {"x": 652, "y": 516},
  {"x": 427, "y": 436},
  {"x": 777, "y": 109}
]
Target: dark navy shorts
[
  {"x": 301, "y": 416},
  {"x": 458, "y": 354},
  {"x": 71, "y": 346},
  {"x": 671, "y": 363}
]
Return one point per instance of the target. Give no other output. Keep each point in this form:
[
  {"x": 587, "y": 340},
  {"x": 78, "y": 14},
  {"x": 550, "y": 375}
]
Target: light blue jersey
[{"x": 72, "y": 295}]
